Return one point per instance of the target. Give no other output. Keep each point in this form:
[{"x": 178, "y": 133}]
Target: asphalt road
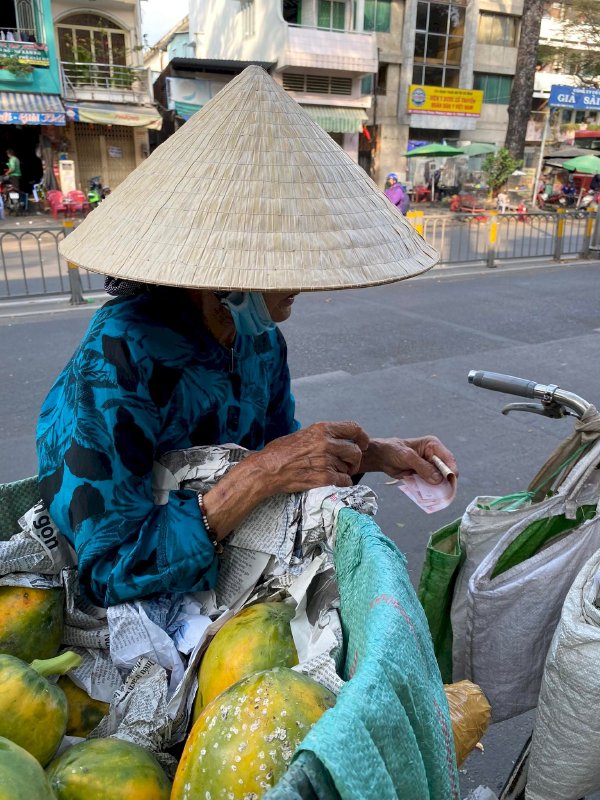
[{"x": 394, "y": 358}]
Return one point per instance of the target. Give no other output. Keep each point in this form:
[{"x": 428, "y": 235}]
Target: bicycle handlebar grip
[{"x": 497, "y": 382}]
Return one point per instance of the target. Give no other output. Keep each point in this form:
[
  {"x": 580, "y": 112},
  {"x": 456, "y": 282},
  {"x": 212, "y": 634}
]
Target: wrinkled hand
[
  {"x": 398, "y": 456},
  {"x": 326, "y": 453}
]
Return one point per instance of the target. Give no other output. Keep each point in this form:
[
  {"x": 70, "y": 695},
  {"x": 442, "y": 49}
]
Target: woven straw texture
[{"x": 250, "y": 194}]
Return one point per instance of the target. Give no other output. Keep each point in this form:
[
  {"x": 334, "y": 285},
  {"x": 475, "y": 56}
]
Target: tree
[
  {"x": 498, "y": 167},
  {"x": 519, "y": 107},
  {"x": 580, "y": 55}
]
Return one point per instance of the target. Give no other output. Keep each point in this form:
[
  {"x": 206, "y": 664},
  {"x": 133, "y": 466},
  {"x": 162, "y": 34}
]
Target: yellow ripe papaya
[
  {"x": 108, "y": 769},
  {"x": 21, "y": 776},
  {"x": 33, "y": 711},
  {"x": 31, "y": 621},
  {"x": 258, "y": 637},
  {"x": 244, "y": 740},
  {"x": 85, "y": 713}
]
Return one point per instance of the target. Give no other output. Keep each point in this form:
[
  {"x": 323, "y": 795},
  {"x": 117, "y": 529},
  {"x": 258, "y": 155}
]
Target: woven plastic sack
[
  {"x": 485, "y": 521},
  {"x": 564, "y": 763},
  {"x": 389, "y": 734},
  {"x": 15, "y": 499},
  {"x": 443, "y": 557},
  {"x": 516, "y": 594}
]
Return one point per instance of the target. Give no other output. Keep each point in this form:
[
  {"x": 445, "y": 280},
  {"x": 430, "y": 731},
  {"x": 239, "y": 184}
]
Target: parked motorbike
[
  {"x": 96, "y": 191},
  {"x": 556, "y": 200},
  {"x": 589, "y": 198},
  {"x": 11, "y": 197}
]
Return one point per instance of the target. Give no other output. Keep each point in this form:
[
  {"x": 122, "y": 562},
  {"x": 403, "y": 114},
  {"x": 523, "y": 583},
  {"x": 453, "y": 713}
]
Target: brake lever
[{"x": 553, "y": 410}]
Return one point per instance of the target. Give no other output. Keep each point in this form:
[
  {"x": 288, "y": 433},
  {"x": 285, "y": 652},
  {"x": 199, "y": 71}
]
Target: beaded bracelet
[{"x": 209, "y": 531}]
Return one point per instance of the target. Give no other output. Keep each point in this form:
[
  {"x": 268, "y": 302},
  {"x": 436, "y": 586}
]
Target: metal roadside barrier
[
  {"x": 31, "y": 266},
  {"x": 491, "y": 238}
]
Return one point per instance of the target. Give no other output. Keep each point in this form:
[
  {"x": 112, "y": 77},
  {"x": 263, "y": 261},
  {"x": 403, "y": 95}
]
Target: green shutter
[
  {"x": 338, "y": 21},
  {"x": 370, "y": 11},
  {"x": 382, "y": 20}
]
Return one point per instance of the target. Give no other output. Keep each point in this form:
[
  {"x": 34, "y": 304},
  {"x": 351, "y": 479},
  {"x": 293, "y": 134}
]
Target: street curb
[{"x": 53, "y": 304}]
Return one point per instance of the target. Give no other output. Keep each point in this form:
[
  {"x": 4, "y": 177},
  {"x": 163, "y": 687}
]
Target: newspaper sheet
[{"x": 144, "y": 657}]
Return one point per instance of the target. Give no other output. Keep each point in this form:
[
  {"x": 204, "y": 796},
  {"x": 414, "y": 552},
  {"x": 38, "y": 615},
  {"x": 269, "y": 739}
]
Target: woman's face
[{"x": 279, "y": 304}]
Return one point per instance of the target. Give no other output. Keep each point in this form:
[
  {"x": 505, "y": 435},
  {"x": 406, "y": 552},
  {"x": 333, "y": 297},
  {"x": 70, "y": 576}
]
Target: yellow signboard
[{"x": 439, "y": 100}]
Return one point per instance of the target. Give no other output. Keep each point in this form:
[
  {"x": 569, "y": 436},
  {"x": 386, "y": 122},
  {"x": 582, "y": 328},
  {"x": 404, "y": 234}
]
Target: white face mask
[{"x": 249, "y": 312}]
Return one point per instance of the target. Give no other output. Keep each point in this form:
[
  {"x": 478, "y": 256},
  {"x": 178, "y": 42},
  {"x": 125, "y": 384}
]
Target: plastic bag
[{"x": 470, "y": 714}]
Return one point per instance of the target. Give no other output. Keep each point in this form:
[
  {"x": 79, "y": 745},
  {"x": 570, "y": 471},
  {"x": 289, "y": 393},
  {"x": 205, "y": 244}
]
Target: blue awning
[{"x": 26, "y": 108}]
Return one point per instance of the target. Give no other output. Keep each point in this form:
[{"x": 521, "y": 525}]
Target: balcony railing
[
  {"x": 17, "y": 34},
  {"x": 83, "y": 80}
]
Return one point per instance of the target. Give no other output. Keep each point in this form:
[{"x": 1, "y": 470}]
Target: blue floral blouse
[{"x": 149, "y": 378}]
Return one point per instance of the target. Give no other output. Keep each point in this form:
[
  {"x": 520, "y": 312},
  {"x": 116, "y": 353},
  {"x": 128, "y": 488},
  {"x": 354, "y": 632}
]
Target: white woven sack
[
  {"x": 481, "y": 528},
  {"x": 565, "y": 754},
  {"x": 511, "y": 618}
]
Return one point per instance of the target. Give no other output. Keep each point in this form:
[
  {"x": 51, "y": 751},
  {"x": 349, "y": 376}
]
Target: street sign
[{"x": 580, "y": 99}]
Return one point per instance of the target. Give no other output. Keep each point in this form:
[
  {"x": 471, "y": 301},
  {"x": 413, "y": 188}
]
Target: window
[
  {"x": 438, "y": 43},
  {"x": 316, "y": 84},
  {"x": 377, "y": 15},
  {"x": 91, "y": 39},
  {"x": 500, "y": 29},
  {"x": 382, "y": 78},
  {"x": 291, "y": 10},
  {"x": 495, "y": 88},
  {"x": 20, "y": 21},
  {"x": 366, "y": 85},
  {"x": 331, "y": 15}
]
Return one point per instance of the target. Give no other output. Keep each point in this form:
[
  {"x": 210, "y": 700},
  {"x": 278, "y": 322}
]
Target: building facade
[
  {"x": 106, "y": 88},
  {"x": 315, "y": 51},
  {"x": 430, "y": 45},
  {"x": 555, "y": 70},
  {"x": 31, "y": 111}
]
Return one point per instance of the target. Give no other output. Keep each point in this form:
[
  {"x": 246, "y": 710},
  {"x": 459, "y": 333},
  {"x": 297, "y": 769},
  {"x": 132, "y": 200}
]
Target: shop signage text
[
  {"x": 26, "y": 53},
  {"x": 447, "y": 102},
  {"x": 576, "y": 98},
  {"x": 31, "y": 118}
]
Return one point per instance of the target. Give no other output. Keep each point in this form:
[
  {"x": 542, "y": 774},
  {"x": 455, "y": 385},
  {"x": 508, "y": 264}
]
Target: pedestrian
[
  {"x": 397, "y": 193},
  {"x": 188, "y": 352},
  {"x": 595, "y": 183},
  {"x": 14, "y": 169},
  {"x": 502, "y": 202}
]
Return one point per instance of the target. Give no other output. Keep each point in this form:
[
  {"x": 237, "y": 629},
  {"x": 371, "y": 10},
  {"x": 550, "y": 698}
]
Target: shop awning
[
  {"x": 338, "y": 119},
  {"x": 26, "y": 108},
  {"x": 113, "y": 114}
]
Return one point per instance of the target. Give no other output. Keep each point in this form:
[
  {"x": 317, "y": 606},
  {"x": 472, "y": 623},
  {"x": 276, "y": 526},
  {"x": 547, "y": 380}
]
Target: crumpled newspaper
[{"x": 143, "y": 657}]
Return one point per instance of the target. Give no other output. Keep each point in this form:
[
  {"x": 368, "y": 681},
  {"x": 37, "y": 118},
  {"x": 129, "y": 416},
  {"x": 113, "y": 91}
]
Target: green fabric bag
[{"x": 443, "y": 558}]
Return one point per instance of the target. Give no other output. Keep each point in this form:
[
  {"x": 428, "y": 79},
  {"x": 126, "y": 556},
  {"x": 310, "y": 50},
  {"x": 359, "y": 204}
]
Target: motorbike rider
[{"x": 396, "y": 193}]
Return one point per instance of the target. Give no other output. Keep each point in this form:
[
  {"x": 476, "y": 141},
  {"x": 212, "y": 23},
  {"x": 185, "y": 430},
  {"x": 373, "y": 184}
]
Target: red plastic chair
[
  {"x": 78, "y": 201},
  {"x": 56, "y": 202}
]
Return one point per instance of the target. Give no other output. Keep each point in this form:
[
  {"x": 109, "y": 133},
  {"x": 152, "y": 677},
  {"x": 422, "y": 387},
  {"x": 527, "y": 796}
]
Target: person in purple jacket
[{"x": 396, "y": 193}]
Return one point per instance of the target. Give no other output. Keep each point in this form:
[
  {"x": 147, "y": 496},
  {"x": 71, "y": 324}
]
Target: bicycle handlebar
[
  {"x": 497, "y": 382},
  {"x": 547, "y": 393}
]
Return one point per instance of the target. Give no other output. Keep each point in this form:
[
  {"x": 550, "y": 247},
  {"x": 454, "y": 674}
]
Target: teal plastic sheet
[{"x": 389, "y": 735}]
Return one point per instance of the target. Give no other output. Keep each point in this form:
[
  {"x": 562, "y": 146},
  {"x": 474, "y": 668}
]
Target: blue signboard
[{"x": 580, "y": 99}]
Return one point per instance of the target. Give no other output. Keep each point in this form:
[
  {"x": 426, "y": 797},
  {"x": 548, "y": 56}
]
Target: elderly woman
[{"x": 166, "y": 366}]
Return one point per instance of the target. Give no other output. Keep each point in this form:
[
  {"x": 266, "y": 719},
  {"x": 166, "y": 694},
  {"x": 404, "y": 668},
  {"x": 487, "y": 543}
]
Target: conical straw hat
[{"x": 250, "y": 194}]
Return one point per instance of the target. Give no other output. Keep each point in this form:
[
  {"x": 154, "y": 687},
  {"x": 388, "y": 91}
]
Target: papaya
[
  {"x": 21, "y": 776},
  {"x": 84, "y": 713},
  {"x": 108, "y": 769},
  {"x": 258, "y": 637},
  {"x": 31, "y": 621},
  {"x": 33, "y": 711},
  {"x": 244, "y": 740}
]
